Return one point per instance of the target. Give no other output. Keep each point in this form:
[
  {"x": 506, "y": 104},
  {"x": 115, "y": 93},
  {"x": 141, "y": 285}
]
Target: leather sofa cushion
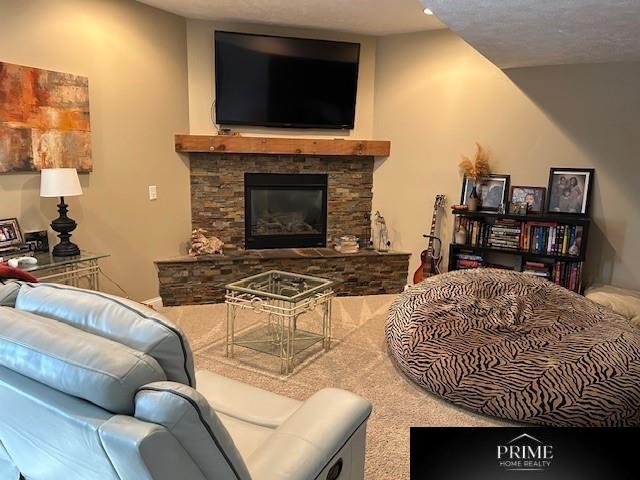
[
  {"x": 188, "y": 416},
  {"x": 124, "y": 321},
  {"x": 8, "y": 293},
  {"x": 73, "y": 361}
]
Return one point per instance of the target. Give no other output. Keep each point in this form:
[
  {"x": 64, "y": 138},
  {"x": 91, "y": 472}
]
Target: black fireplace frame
[{"x": 284, "y": 181}]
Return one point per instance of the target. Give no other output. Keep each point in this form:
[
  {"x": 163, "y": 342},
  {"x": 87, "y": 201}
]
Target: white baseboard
[{"x": 154, "y": 303}]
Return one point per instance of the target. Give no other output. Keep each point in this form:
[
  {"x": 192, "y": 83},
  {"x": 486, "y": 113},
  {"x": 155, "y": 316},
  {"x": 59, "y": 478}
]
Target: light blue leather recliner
[{"x": 96, "y": 387}]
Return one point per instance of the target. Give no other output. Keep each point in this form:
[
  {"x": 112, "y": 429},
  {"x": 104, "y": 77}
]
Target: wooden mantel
[{"x": 281, "y": 146}]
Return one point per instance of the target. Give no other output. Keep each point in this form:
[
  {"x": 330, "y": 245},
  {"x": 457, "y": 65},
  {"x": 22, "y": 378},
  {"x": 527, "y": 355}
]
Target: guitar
[{"x": 430, "y": 262}]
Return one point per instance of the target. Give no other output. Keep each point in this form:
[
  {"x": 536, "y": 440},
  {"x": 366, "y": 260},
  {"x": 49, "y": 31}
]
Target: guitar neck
[
  {"x": 433, "y": 229},
  {"x": 437, "y": 204}
]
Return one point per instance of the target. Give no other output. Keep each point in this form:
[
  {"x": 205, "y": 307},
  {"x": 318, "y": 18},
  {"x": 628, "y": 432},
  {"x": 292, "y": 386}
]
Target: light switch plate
[{"x": 153, "y": 192}]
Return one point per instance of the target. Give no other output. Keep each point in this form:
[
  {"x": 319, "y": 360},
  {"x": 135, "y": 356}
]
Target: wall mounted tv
[{"x": 285, "y": 82}]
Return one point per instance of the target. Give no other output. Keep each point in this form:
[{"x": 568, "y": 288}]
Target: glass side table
[
  {"x": 282, "y": 297},
  {"x": 72, "y": 271}
]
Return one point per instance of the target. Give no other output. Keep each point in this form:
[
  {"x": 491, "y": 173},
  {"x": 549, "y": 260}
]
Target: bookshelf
[{"x": 548, "y": 245}]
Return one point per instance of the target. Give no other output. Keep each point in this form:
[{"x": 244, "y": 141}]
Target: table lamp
[{"x": 61, "y": 182}]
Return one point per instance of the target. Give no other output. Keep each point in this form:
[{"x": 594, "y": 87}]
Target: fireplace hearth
[
  {"x": 221, "y": 204},
  {"x": 285, "y": 210}
]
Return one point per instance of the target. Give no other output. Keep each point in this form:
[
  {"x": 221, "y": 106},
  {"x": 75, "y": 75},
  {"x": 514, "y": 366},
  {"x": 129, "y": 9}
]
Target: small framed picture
[
  {"x": 532, "y": 196},
  {"x": 570, "y": 190},
  {"x": 518, "y": 208},
  {"x": 491, "y": 190},
  {"x": 10, "y": 233},
  {"x": 37, "y": 241}
]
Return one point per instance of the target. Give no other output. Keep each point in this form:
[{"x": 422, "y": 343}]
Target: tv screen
[{"x": 285, "y": 82}]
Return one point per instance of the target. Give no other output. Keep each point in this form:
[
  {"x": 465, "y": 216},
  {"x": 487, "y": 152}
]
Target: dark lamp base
[
  {"x": 65, "y": 249},
  {"x": 64, "y": 225}
]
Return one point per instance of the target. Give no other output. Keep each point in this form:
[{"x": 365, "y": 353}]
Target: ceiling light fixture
[{"x": 427, "y": 11}]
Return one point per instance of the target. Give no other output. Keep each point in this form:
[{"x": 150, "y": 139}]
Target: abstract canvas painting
[{"x": 44, "y": 120}]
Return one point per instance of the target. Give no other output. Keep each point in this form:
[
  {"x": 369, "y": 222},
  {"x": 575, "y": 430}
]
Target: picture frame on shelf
[
  {"x": 10, "y": 233},
  {"x": 569, "y": 190},
  {"x": 492, "y": 191},
  {"x": 533, "y": 197},
  {"x": 37, "y": 241},
  {"x": 518, "y": 208}
]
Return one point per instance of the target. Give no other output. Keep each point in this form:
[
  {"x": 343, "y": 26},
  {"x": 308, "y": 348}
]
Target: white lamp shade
[{"x": 59, "y": 182}]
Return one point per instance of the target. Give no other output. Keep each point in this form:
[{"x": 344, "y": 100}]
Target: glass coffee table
[{"x": 281, "y": 297}]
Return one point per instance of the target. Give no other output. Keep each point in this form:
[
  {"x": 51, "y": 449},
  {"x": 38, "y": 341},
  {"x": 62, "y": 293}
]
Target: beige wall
[
  {"x": 202, "y": 78},
  {"x": 135, "y": 58},
  {"x": 151, "y": 75},
  {"x": 435, "y": 96}
]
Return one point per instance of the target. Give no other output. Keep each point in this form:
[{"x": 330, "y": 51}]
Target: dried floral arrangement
[{"x": 477, "y": 167}]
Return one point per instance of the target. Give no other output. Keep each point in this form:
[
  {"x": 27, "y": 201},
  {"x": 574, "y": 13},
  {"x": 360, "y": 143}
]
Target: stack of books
[
  {"x": 537, "y": 268},
  {"x": 505, "y": 234},
  {"x": 465, "y": 261},
  {"x": 346, "y": 244}
]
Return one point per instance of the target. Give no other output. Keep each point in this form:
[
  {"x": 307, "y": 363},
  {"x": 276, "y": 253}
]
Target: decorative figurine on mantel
[
  {"x": 201, "y": 245},
  {"x": 381, "y": 238}
]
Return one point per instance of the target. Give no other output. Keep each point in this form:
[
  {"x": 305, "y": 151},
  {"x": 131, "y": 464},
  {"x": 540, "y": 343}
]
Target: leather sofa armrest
[
  {"x": 243, "y": 401},
  {"x": 8, "y": 470},
  {"x": 145, "y": 451},
  {"x": 8, "y": 292},
  {"x": 311, "y": 437}
]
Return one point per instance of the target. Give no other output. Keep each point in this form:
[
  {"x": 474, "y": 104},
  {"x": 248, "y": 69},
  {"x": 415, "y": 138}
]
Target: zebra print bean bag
[{"x": 517, "y": 346}]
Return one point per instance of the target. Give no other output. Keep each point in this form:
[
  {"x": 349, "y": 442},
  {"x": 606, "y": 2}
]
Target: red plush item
[{"x": 7, "y": 272}]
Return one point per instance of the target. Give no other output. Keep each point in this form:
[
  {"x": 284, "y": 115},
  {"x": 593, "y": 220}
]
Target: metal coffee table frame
[{"x": 279, "y": 335}]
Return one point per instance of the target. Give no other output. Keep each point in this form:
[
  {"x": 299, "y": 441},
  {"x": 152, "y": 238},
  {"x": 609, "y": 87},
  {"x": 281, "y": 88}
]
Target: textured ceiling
[
  {"x": 519, "y": 33},
  {"x": 370, "y": 17}
]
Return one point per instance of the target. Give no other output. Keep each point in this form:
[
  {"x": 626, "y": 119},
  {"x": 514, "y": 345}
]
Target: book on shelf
[
  {"x": 568, "y": 275},
  {"x": 547, "y": 238},
  {"x": 551, "y": 238}
]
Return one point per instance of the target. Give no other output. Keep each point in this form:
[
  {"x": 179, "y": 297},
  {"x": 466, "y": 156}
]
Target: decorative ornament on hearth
[
  {"x": 346, "y": 244},
  {"x": 203, "y": 245}
]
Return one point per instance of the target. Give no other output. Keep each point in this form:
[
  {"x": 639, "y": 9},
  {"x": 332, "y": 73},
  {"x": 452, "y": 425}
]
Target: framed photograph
[
  {"x": 518, "y": 208},
  {"x": 37, "y": 241},
  {"x": 569, "y": 190},
  {"x": 10, "y": 234},
  {"x": 492, "y": 191},
  {"x": 532, "y": 196}
]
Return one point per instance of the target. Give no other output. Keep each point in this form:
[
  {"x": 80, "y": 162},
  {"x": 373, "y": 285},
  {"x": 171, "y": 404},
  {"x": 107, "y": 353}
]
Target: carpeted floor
[{"x": 357, "y": 362}]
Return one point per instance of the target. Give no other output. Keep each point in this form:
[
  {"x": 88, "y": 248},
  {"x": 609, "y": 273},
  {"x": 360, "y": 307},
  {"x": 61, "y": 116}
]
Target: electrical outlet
[{"x": 153, "y": 192}]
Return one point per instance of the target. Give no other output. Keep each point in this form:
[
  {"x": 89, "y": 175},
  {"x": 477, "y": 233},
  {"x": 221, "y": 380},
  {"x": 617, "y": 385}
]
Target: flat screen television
[{"x": 285, "y": 82}]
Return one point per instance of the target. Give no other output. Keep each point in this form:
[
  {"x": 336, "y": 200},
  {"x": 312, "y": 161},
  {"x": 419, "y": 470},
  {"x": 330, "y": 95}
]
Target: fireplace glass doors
[{"x": 285, "y": 210}]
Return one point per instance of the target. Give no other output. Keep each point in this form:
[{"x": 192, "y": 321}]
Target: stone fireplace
[
  {"x": 279, "y": 212},
  {"x": 283, "y": 210},
  {"x": 219, "y": 191}
]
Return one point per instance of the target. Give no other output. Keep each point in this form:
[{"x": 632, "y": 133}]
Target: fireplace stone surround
[
  {"x": 217, "y": 191},
  {"x": 218, "y": 205}
]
